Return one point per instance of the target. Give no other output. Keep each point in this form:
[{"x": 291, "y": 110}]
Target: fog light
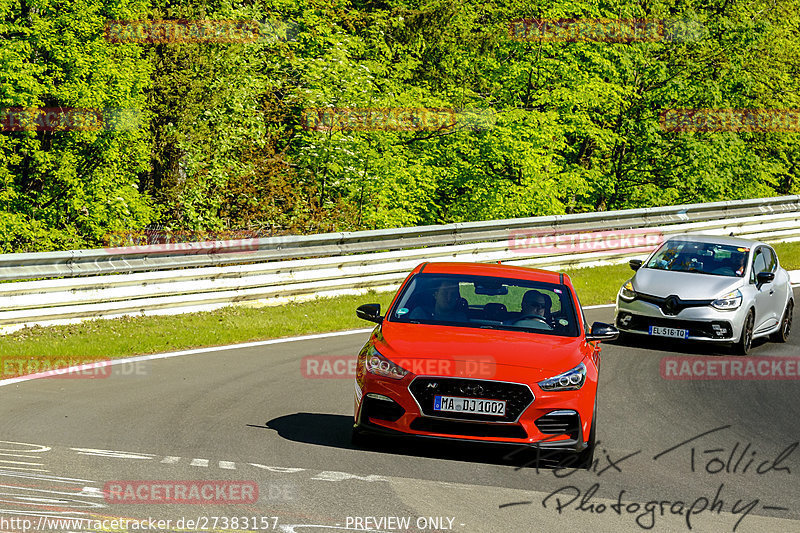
[{"x": 721, "y": 330}]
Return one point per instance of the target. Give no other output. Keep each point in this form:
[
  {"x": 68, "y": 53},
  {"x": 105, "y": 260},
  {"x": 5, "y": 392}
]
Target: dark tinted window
[
  {"x": 772, "y": 261},
  {"x": 487, "y": 302},
  {"x": 760, "y": 261}
]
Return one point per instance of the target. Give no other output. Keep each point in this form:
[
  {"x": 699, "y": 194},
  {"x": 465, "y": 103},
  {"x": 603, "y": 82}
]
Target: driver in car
[
  {"x": 447, "y": 305},
  {"x": 535, "y": 311},
  {"x": 739, "y": 262}
]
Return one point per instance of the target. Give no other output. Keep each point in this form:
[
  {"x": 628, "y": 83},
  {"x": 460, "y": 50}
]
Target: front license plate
[
  {"x": 478, "y": 406},
  {"x": 676, "y": 333}
]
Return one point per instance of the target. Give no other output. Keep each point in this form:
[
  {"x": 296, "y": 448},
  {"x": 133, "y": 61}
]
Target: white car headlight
[
  {"x": 730, "y": 301},
  {"x": 569, "y": 380},
  {"x": 626, "y": 292},
  {"x": 380, "y": 366}
]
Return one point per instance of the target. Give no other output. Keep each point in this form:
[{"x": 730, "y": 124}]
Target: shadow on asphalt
[
  {"x": 334, "y": 431},
  {"x": 664, "y": 344}
]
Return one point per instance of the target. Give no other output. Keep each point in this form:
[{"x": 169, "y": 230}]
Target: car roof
[
  {"x": 491, "y": 269},
  {"x": 717, "y": 239}
]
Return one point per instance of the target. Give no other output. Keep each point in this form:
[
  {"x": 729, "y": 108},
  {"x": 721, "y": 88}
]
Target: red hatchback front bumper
[{"x": 533, "y": 417}]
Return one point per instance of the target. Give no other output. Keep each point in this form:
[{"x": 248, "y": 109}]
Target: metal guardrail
[{"x": 158, "y": 280}]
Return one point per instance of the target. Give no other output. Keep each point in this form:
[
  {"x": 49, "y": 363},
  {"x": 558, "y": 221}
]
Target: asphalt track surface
[{"x": 249, "y": 415}]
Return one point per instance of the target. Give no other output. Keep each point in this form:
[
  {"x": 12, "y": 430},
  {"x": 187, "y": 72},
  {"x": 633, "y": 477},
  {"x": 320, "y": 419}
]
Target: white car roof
[{"x": 717, "y": 239}]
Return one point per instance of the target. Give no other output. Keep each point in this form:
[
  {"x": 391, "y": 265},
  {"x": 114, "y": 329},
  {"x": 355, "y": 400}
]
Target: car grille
[
  {"x": 723, "y": 328},
  {"x": 672, "y": 305},
  {"x": 468, "y": 429},
  {"x": 518, "y": 397}
]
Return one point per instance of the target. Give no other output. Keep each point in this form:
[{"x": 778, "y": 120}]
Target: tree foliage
[{"x": 219, "y": 140}]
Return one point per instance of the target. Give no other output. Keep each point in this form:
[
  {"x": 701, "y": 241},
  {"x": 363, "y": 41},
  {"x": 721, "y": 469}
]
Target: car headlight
[
  {"x": 570, "y": 380},
  {"x": 626, "y": 292},
  {"x": 380, "y": 366},
  {"x": 732, "y": 300}
]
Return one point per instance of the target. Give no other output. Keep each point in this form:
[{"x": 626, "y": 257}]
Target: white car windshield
[{"x": 701, "y": 258}]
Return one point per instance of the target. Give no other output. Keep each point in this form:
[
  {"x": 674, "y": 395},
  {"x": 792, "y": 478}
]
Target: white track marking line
[
  {"x": 23, "y": 468},
  {"x": 170, "y": 460},
  {"x": 40, "y": 501},
  {"x": 20, "y": 455},
  {"x": 199, "y": 462},
  {"x": 168, "y": 355},
  {"x": 227, "y": 465},
  {"x": 41, "y": 477},
  {"x": 21, "y": 463},
  {"x": 39, "y": 446},
  {"x": 278, "y": 469},
  {"x": 113, "y": 453},
  {"x": 69, "y": 515},
  {"x": 89, "y": 494}
]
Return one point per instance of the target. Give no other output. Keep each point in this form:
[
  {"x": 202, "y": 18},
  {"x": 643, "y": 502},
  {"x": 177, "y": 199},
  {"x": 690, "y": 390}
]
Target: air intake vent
[{"x": 560, "y": 422}]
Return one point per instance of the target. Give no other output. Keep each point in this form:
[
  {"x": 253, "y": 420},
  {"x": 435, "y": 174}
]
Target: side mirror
[
  {"x": 635, "y": 264},
  {"x": 602, "y": 332},
  {"x": 765, "y": 277},
  {"x": 371, "y": 312}
]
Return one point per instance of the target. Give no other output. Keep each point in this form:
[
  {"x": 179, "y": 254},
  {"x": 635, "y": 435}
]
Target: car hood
[
  {"x": 472, "y": 348},
  {"x": 685, "y": 285}
]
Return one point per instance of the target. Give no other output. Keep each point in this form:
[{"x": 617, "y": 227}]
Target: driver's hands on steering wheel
[{"x": 540, "y": 318}]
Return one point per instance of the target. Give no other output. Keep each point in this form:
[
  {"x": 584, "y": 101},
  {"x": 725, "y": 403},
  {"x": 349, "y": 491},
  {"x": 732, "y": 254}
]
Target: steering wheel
[{"x": 540, "y": 318}]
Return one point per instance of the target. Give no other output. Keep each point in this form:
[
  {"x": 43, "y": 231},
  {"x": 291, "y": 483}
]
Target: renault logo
[{"x": 672, "y": 305}]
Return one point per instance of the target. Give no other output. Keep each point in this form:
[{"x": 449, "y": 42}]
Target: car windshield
[
  {"x": 487, "y": 302},
  {"x": 701, "y": 258}
]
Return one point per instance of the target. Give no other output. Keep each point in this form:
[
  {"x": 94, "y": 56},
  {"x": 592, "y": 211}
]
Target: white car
[{"x": 708, "y": 288}]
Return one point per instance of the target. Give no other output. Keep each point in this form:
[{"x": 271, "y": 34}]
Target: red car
[{"x": 482, "y": 352}]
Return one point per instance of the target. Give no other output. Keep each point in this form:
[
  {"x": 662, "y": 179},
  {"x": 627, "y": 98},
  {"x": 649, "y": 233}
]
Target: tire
[
  {"x": 745, "y": 342},
  {"x": 782, "y": 335},
  {"x": 585, "y": 458}
]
